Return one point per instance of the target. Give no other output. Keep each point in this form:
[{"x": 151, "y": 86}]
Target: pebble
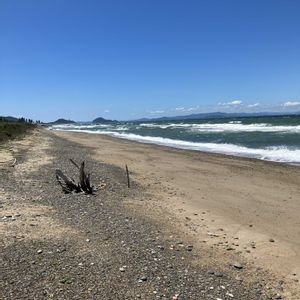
[
  {"x": 39, "y": 251},
  {"x": 122, "y": 269},
  {"x": 189, "y": 247},
  {"x": 230, "y": 248},
  {"x": 237, "y": 265},
  {"x": 218, "y": 274},
  {"x": 272, "y": 241}
]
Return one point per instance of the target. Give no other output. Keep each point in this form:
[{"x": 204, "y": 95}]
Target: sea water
[{"x": 267, "y": 138}]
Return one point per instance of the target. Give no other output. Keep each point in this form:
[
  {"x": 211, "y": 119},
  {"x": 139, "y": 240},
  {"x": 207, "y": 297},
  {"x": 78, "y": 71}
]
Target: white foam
[
  {"x": 278, "y": 154},
  {"x": 233, "y": 126},
  {"x": 79, "y": 126}
]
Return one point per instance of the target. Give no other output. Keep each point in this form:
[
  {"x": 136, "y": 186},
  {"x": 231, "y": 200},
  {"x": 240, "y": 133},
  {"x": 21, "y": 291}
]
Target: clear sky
[{"x": 126, "y": 59}]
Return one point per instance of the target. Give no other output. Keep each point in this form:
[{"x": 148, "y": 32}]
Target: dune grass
[{"x": 13, "y": 130}]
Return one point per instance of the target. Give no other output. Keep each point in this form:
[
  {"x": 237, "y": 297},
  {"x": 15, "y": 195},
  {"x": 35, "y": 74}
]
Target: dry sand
[{"x": 235, "y": 205}]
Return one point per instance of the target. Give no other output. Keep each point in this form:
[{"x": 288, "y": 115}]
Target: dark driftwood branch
[
  {"x": 68, "y": 184},
  {"x": 128, "y": 179},
  {"x": 74, "y": 163},
  {"x": 84, "y": 180}
]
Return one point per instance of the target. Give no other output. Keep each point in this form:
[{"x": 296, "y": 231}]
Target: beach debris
[
  {"x": 69, "y": 185},
  {"x": 128, "y": 179}
]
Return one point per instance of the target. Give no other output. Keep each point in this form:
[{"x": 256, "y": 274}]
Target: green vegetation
[{"x": 14, "y": 129}]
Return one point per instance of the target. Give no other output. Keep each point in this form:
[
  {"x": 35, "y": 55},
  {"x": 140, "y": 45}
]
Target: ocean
[{"x": 267, "y": 138}]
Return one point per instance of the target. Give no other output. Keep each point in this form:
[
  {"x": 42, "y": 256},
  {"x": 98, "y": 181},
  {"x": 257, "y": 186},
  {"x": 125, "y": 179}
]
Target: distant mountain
[
  {"x": 215, "y": 115},
  {"x": 102, "y": 120},
  {"x": 62, "y": 121}
]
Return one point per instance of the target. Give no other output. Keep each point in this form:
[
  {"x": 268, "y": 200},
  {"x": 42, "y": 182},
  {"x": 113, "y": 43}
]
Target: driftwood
[
  {"x": 128, "y": 179},
  {"x": 69, "y": 185}
]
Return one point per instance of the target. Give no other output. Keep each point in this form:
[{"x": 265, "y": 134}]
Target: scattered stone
[
  {"x": 122, "y": 269},
  {"x": 272, "y": 241},
  {"x": 212, "y": 234},
  {"x": 219, "y": 274},
  {"x": 39, "y": 251},
  {"x": 189, "y": 247},
  {"x": 237, "y": 265},
  {"x": 229, "y": 248}
]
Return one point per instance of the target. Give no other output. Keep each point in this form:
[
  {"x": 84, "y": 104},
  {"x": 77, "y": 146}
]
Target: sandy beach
[
  {"x": 239, "y": 205},
  {"x": 191, "y": 224}
]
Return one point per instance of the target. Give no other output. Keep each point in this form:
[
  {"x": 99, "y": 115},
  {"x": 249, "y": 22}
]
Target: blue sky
[{"x": 139, "y": 58}]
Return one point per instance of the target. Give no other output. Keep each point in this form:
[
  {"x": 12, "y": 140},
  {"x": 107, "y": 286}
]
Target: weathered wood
[
  {"x": 68, "y": 184},
  {"x": 128, "y": 179},
  {"x": 84, "y": 180},
  {"x": 74, "y": 163}
]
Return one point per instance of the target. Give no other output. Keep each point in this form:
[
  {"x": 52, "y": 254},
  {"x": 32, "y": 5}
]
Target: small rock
[
  {"x": 218, "y": 274},
  {"x": 39, "y": 251},
  {"x": 122, "y": 269},
  {"x": 189, "y": 248},
  {"x": 272, "y": 241},
  {"x": 230, "y": 248},
  {"x": 237, "y": 265}
]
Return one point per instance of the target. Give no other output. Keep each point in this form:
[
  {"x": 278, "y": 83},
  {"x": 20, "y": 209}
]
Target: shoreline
[
  {"x": 237, "y": 205},
  {"x": 217, "y": 154},
  {"x": 175, "y": 144}
]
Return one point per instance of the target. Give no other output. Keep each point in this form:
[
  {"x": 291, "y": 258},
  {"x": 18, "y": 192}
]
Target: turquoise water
[{"x": 268, "y": 138}]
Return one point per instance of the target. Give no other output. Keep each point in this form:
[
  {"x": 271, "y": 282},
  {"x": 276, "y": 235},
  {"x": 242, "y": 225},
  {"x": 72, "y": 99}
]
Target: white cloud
[
  {"x": 234, "y": 103},
  {"x": 254, "y": 105},
  {"x": 184, "y": 109},
  {"x": 180, "y": 108},
  {"x": 291, "y": 104},
  {"x": 106, "y": 111},
  {"x": 193, "y": 108},
  {"x": 157, "y": 112}
]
